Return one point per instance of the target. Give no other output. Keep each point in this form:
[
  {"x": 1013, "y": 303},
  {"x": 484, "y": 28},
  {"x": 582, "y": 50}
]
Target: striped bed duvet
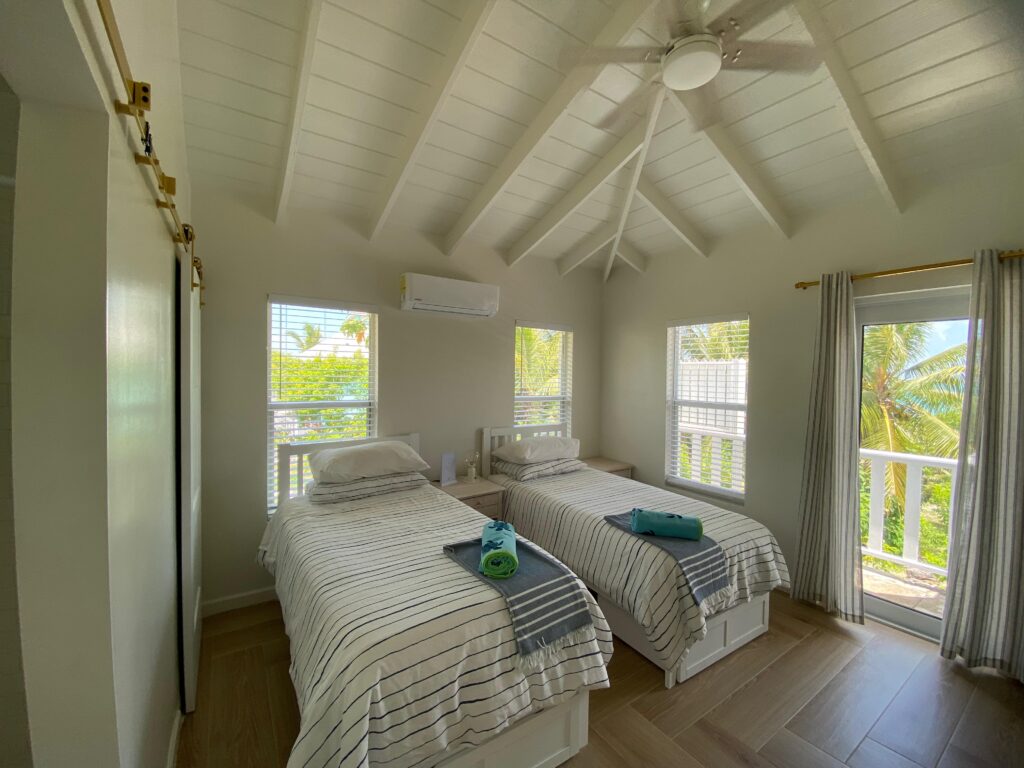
[
  {"x": 564, "y": 514},
  {"x": 399, "y": 656}
]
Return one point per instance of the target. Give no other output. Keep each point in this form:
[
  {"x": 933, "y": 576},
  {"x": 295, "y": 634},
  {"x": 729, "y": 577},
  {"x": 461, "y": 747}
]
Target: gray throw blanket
[
  {"x": 544, "y": 598},
  {"x": 702, "y": 562}
]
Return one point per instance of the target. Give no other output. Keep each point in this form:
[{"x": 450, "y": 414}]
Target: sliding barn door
[{"x": 190, "y": 552}]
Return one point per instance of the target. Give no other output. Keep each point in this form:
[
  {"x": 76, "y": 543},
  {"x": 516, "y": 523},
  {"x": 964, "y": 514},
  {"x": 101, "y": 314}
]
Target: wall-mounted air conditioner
[{"x": 426, "y": 293}]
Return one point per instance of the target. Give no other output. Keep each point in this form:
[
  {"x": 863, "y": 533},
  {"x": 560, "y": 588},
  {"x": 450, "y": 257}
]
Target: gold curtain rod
[{"x": 908, "y": 270}]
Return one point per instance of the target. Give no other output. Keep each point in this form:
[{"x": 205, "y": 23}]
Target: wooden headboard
[
  {"x": 287, "y": 452},
  {"x": 495, "y": 437}
]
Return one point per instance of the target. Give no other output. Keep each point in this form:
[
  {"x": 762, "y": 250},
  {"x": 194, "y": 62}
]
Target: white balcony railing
[{"x": 911, "y": 555}]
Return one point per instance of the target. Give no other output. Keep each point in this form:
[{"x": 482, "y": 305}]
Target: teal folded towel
[
  {"x": 498, "y": 558},
  {"x": 665, "y": 524}
]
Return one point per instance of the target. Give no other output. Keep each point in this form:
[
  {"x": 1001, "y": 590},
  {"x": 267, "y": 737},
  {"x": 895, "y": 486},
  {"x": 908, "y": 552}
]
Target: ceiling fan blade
[
  {"x": 634, "y": 103},
  {"x": 702, "y": 106},
  {"x": 746, "y": 14},
  {"x": 775, "y": 57},
  {"x": 577, "y": 56}
]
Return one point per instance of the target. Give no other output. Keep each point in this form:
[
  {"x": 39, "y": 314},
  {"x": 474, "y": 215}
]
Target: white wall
[
  {"x": 754, "y": 272},
  {"x": 14, "y": 734},
  {"x": 441, "y": 376},
  {"x": 93, "y": 384}
]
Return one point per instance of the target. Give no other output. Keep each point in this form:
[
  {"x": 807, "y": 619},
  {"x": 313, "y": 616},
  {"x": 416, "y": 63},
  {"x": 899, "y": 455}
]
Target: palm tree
[
  {"x": 309, "y": 339},
  {"x": 909, "y": 404}
]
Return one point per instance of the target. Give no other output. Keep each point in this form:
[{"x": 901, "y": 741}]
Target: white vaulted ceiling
[{"x": 453, "y": 117}]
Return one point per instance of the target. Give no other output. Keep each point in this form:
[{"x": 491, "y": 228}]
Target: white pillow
[
  {"x": 328, "y": 493},
  {"x": 530, "y": 450},
  {"x": 388, "y": 457},
  {"x": 537, "y": 469}
]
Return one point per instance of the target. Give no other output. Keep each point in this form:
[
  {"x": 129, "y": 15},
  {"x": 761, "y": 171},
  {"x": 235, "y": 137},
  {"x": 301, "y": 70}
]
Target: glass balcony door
[{"x": 913, "y": 349}]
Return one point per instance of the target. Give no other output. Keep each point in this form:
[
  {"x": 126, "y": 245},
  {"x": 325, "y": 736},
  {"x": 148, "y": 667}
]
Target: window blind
[
  {"x": 706, "y": 426},
  {"x": 321, "y": 377},
  {"x": 543, "y": 385}
]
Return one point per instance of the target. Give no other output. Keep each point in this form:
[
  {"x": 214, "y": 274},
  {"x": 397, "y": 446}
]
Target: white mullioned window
[
  {"x": 543, "y": 385},
  {"x": 321, "y": 375},
  {"x": 706, "y": 408}
]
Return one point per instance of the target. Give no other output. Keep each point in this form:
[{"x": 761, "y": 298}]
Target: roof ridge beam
[
  {"x": 466, "y": 35},
  {"x": 614, "y": 33},
  {"x": 741, "y": 170},
  {"x": 623, "y": 151},
  {"x": 291, "y": 149},
  {"x": 851, "y": 105}
]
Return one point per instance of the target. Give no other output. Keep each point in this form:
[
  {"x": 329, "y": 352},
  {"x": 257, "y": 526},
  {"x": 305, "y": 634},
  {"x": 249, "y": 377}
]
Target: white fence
[{"x": 911, "y": 555}]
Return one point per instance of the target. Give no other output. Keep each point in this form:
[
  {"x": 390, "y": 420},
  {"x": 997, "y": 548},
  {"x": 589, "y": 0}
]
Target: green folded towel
[
  {"x": 498, "y": 550},
  {"x": 665, "y": 524}
]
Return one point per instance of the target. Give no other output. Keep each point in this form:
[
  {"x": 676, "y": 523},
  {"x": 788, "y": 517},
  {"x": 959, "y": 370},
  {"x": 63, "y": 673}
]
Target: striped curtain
[
  {"x": 984, "y": 616},
  {"x": 828, "y": 566}
]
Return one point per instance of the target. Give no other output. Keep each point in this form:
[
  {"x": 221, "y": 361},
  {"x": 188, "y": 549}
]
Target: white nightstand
[
  {"x": 482, "y": 495},
  {"x": 611, "y": 466}
]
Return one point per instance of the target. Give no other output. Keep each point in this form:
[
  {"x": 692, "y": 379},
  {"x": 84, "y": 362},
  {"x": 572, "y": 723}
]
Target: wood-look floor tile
[
  {"x": 922, "y": 717},
  {"x": 639, "y": 744},
  {"x": 243, "y": 618},
  {"x": 787, "y": 750},
  {"x": 632, "y": 677},
  {"x": 754, "y": 713},
  {"x": 597, "y": 754},
  {"x": 871, "y": 754},
  {"x": 240, "y": 639},
  {"x": 284, "y": 709},
  {"x": 991, "y": 731},
  {"x": 713, "y": 747},
  {"x": 854, "y": 633},
  {"x": 676, "y": 709},
  {"x": 241, "y": 725},
  {"x": 840, "y": 716}
]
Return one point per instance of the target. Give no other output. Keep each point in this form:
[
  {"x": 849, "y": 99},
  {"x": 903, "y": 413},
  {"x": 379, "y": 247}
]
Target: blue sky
[{"x": 946, "y": 334}]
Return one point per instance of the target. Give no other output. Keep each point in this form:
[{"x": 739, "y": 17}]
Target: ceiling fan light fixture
[{"x": 692, "y": 62}]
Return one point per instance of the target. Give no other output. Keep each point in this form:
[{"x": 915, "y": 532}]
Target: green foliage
[
  {"x": 325, "y": 377},
  {"x": 355, "y": 327},
  {"x": 716, "y": 341},
  {"x": 910, "y": 404},
  {"x": 540, "y": 356}
]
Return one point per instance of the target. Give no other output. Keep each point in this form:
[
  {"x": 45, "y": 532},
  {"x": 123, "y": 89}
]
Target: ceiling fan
[{"x": 697, "y": 49}]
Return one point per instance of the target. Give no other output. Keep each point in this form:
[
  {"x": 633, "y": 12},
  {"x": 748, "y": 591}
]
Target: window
[
  {"x": 321, "y": 376},
  {"x": 543, "y": 388},
  {"x": 707, "y": 405}
]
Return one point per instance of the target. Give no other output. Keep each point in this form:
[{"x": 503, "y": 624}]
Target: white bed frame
[
  {"x": 541, "y": 740},
  {"x": 727, "y": 631}
]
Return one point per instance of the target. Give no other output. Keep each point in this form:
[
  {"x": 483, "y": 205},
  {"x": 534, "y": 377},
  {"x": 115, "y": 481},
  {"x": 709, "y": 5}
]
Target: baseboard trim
[
  {"x": 241, "y": 600},
  {"x": 172, "y": 748}
]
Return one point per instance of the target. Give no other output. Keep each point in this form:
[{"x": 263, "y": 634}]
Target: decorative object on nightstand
[
  {"x": 471, "y": 465},
  {"x": 447, "y": 469},
  {"x": 611, "y": 466},
  {"x": 482, "y": 495}
]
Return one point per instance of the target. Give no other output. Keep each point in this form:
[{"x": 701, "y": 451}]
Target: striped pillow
[
  {"x": 537, "y": 469},
  {"x": 330, "y": 493}
]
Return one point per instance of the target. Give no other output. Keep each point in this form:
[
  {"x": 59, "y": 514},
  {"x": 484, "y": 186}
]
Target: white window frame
[
  {"x": 372, "y": 404},
  {"x": 671, "y": 404},
  {"x": 566, "y": 374}
]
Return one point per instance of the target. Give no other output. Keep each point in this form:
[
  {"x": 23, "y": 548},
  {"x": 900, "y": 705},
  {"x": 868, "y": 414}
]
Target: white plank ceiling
[{"x": 320, "y": 105}]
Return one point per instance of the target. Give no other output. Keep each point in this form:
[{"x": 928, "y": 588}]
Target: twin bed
[{"x": 402, "y": 658}]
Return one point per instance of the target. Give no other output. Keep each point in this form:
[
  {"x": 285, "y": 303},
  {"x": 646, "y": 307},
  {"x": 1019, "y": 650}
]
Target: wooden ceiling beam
[
  {"x": 615, "y": 32},
  {"x": 852, "y": 106},
  {"x": 656, "y": 200},
  {"x": 466, "y": 35},
  {"x": 653, "y": 111},
  {"x": 587, "y": 247},
  {"x": 742, "y": 171},
  {"x": 291, "y": 149},
  {"x": 624, "y": 150}
]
